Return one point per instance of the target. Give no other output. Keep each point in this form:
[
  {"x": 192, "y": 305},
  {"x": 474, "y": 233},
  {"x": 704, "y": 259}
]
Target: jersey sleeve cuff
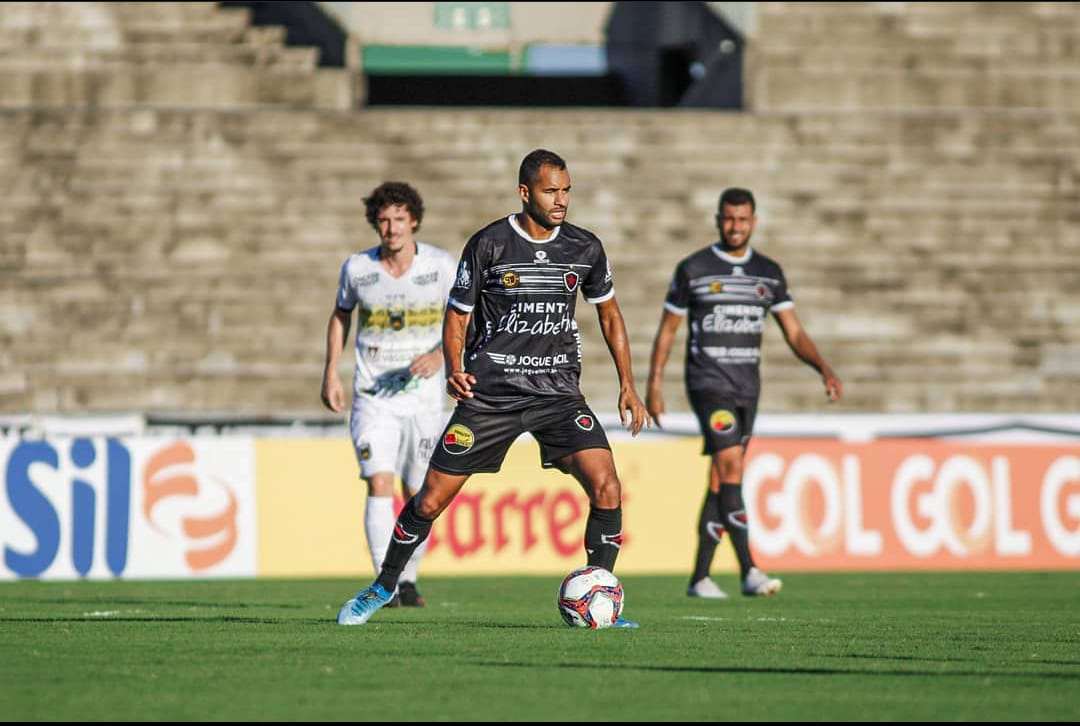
[
  {"x": 607, "y": 296},
  {"x": 461, "y": 306}
]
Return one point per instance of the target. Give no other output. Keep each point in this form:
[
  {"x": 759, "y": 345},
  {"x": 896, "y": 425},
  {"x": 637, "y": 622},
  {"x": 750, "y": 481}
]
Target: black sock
[
  {"x": 603, "y": 537},
  {"x": 710, "y": 530},
  {"x": 731, "y": 504},
  {"x": 409, "y": 531}
]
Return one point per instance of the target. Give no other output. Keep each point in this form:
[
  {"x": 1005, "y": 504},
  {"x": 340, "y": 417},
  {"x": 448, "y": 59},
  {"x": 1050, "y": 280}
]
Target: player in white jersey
[{"x": 400, "y": 289}]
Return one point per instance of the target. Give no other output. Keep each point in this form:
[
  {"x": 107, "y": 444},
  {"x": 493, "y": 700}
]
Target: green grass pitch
[{"x": 831, "y": 647}]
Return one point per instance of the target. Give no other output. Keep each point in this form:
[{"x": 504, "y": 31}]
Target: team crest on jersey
[
  {"x": 365, "y": 452},
  {"x": 716, "y": 286},
  {"x": 571, "y": 279},
  {"x": 510, "y": 279},
  {"x": 585, "y": 422},
  {"x": 457, "y": 439},
  {"x": 722, "y": 421},
  {"x": 397, "y": 319},
  {"x": 761, "y": 290}
]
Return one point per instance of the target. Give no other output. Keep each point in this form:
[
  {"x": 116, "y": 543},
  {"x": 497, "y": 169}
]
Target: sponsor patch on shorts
[
  {"x": 722, "y": 421},
  {"x": 458, "y": 439}
]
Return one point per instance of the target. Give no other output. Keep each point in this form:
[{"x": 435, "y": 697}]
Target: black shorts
[
  {"x": 477, "y": 441},
  {"x": 724, "y": 420}
]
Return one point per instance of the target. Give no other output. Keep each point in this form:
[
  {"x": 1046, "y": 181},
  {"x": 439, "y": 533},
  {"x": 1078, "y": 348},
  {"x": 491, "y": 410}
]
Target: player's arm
[
  {"x": 803, "y": 347},
  {"x": 455, "y": 327},
  {"x": 661, "y": 350},
  {"x": 337, "y": 332},
  {"x": 614, "y": 329},
  {"x": 427, "y": 364}
]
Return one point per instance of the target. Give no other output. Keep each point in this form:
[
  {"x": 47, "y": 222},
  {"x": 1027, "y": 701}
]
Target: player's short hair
[
  {"x": 530, "y": 165},
  {"x": 736, "y": 197},
  {"x": 390, "y": 194}
]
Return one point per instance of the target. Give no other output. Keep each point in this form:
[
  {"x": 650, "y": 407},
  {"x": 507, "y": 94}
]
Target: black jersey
[
  {"x": 523, "y": 339},
  {"x": 726, "y": 300}
]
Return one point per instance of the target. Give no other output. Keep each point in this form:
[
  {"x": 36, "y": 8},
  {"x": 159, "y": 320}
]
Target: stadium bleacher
[{"x": 181, "y": 187}]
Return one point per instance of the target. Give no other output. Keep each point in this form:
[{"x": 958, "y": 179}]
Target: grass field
[{"x": 831, "y": 647}]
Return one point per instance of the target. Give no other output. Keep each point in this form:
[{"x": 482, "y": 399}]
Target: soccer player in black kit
[
  {"x": 513, "y": 363},
  {"x": 725, "y": 292}
]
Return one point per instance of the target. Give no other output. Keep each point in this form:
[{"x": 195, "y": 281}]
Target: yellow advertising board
[{"x": 523, "y": 519}]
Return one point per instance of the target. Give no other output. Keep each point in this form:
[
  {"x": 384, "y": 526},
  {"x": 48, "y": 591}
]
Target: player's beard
[
  {"x": 541, "y": 216},
  {"x": 727, "y": 245},
  {"x": 395, "y": 244}
]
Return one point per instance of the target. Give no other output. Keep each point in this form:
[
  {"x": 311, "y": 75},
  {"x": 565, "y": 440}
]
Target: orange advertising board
[{"x": 912, "y": 504}]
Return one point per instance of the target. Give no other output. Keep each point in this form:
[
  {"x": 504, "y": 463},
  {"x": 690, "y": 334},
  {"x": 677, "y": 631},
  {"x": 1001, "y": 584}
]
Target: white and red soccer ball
[{"x": 590, "y": 597}]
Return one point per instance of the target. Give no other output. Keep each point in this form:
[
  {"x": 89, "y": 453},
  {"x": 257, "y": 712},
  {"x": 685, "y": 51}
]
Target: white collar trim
[
  {"x": 523, "y": 233},
  {"x": 733, "y": 260}
]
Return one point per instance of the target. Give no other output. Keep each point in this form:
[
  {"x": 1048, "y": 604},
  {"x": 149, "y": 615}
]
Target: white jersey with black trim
[{"x": 398, "y": 319}]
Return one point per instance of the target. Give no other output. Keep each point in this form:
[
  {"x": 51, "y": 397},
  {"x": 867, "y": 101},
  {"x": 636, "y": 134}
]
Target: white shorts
[{"x": 386, "y": 440}]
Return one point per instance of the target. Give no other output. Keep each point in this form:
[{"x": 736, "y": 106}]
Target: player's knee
[
  {"x": 607, "y": 492},
  {"x": 429, "y": 507},
  {"x": 380, "y": 487},
  {"x": 729, "y": 468}
]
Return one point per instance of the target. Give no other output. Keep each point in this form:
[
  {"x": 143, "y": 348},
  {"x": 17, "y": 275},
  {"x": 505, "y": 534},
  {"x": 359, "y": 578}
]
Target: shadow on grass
[
  {"x": 789, "y": 671},
  {"x": 105, "y": 619},
  {"x": 953, "y": 659},
  {"x": 133, "y": 601},
  {"x": 328, "y": 621}
]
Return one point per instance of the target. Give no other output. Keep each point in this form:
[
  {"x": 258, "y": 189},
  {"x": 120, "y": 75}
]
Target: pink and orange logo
[{"x": 170, "y": 481}]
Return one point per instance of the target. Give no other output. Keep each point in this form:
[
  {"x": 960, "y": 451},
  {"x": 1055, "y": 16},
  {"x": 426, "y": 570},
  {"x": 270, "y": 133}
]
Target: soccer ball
[{"x": 590, "y": 597}]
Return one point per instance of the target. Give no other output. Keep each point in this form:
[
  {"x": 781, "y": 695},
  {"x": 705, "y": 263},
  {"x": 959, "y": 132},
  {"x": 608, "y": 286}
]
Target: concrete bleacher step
[
  {"x": 219, "y": 86},
  {"x": 187, "y": 245},
  {"x": 143, "y": 54},
  {"x": 915, "y": 55}
]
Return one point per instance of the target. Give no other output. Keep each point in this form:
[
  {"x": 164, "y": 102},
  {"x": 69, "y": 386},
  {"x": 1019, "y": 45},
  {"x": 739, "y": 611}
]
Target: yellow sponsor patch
[
  {"x": 722, "y": 421},
  {"x": 458, "y": 439}
]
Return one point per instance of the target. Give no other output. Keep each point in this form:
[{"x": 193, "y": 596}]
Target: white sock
[{"x": 379, "y": 520}]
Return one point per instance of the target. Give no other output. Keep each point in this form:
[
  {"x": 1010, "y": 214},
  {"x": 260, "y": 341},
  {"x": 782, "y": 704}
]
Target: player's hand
[
  {"x": 333, "y": 394},
  {"x": 426, "y": 365},
  {"x": 629, "y": 402},
  {"x": 834, "y": 388},
  {"x": 459, "y": 385},
  {"x": 654, "y": 403}
]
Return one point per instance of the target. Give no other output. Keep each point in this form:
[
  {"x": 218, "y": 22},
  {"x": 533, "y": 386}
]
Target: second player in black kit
[
  {"x": 513, "y": 364},
  {"x": 726, "y": 292}
]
